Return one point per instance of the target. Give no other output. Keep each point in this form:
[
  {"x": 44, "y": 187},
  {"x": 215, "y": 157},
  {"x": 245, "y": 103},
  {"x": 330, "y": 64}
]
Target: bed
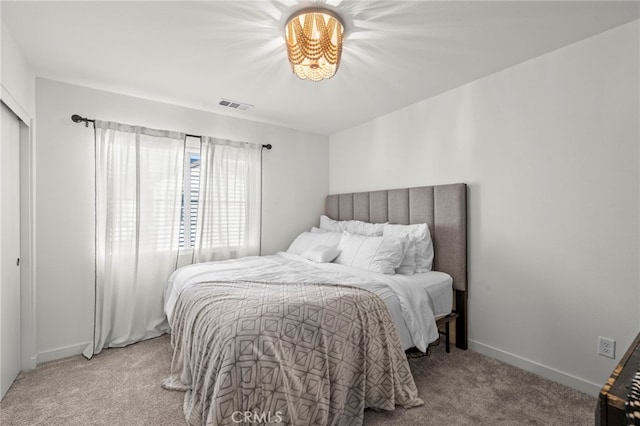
[
  {"x": 285, "y": 340},
  {"x": 442, "y": 207}
]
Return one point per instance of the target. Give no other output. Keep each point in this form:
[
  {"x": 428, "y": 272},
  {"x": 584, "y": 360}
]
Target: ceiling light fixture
[{"x": 314, "y": 43}]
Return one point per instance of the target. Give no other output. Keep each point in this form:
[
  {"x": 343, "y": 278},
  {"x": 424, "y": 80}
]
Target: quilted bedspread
[{"x": 282, "y": 353}]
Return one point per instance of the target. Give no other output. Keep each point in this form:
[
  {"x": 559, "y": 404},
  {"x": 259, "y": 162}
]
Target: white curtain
[
  {"x": 139, "y": 175},
  {"x": 229, "y": 208}
]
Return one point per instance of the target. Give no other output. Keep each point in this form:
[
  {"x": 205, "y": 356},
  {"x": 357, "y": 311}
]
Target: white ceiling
[{"x": 395, "y": 53}]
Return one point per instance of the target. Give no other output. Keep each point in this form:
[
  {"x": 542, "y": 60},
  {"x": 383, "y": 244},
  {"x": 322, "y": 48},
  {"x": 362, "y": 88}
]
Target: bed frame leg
[
  {"x": 446, "y": 320},
  {"x": 447, "y": 344},
  {"x": 461, "y": 321}
]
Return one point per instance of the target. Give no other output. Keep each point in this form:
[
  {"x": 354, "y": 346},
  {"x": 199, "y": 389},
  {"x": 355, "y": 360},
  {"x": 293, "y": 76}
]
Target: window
[
  {"x": 221, "y": 188},
  {"x": 228, "y": 206},
  {"x": 191, "y": 186}
]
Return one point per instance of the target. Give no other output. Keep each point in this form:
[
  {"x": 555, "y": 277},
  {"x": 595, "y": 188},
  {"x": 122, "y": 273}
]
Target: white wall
[
  {"x": 16, "y": 76},
  {"x": 295, "y": 182},
  {"x": 549, "y": 149}
]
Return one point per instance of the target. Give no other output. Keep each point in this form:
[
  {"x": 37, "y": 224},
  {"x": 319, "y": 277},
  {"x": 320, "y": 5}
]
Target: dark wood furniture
[{"x": 613, "y": 395}]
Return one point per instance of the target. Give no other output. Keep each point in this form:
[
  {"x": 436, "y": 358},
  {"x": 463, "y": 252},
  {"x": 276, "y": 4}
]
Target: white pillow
[
  {"x": 321, "y": 254},
  {"x": 408, "y": 264},
  {"x": 377, "y": 254},
  {"x": 351, "y": 226},
  {"x": 419, "y": 235},
  {"x": 331, "y": 225},
  {"x": 308, "y": 240},
  {"x": 315, "y": 230},
  {"x": 364, "y": 228}
]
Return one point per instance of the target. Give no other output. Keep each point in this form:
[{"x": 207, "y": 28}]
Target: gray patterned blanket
[{"x": 294, "y": 354}]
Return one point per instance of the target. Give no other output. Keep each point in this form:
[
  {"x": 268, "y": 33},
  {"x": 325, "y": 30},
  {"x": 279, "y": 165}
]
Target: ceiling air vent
[{"x": 233, "y": 104}]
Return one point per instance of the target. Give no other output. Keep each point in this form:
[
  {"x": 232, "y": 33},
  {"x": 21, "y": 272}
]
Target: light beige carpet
[{"x": 122, "y": 387}]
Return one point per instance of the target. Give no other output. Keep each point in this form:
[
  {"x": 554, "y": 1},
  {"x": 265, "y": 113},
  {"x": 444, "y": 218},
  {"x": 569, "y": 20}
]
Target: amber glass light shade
[{"x": 314, "y": 43}]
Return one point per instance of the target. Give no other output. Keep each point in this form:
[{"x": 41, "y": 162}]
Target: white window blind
[
  {"x": 189, "y": 215},
  {"x": 229, "y": 202}
]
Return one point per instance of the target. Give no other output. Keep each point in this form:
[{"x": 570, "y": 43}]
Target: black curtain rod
[{"x": 78, "y": 119}]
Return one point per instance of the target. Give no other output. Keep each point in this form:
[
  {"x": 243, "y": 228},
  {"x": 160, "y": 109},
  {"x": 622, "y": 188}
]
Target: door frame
[{"x": 27, "y": 231}]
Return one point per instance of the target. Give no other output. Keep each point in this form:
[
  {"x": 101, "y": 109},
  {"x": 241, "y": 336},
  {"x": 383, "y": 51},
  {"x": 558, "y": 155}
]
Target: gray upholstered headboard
[{"x": 442, "y": 207}]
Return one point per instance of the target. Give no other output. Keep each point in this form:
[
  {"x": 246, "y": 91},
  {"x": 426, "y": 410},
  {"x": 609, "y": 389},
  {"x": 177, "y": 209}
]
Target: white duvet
[{"x": 408, "y": 298}]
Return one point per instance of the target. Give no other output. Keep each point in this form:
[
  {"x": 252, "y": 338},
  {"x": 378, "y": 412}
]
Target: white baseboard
[
  {"x": 59, "y": 353},
  {"x": 561, "y": 377}
]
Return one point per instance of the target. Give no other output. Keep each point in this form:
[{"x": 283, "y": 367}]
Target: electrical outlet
[{"x": 606, "y": 347}]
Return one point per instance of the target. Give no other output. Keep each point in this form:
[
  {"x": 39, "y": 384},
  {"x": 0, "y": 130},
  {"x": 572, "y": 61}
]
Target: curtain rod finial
[
  {"x": 267, "y": 146},
  {"x": 77, "y": 119}
]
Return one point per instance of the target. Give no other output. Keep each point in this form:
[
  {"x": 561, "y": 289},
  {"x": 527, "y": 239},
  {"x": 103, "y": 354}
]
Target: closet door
[{"x": 10, "y": 341}]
